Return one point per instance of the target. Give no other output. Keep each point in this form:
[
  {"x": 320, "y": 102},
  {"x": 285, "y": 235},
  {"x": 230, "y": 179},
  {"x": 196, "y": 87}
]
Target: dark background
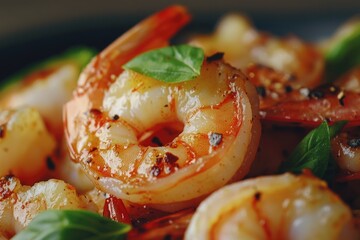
[{"x": 31, "y": 30}]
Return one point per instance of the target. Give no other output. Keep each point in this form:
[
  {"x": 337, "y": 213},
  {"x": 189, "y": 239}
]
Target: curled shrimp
[
  {"x": 19, "y": 204},
  {"x": 273, "y": 207},
  {"x": 243, "y": 45},
  {"x": 211, "y": 122}
]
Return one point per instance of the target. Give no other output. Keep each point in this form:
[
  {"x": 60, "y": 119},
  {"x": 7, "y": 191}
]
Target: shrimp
[
  {"x": 273, "y": 207},
  {"x": 58, "y": 83},
  {"x": 25, "y": 144},
  {"x": 20, "y": 204},
  {"x": 47, "y": 88},
  {"x": 213, "y": 123},
  {"x": 243, "y": 45}
]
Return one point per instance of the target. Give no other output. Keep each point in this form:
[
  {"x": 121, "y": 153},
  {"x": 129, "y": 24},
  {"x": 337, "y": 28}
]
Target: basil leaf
[
  {"x": 72, "y": 224},
  {"x": 336, "y": 128},
  {"x": 170, "y": 64},
  {"x": 313, "y": 152},
  {"x": 344, "y": 54}
]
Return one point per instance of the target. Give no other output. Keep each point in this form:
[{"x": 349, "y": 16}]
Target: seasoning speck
[
  {"x": 214, "y": 57},
  {"x": 261, "y": 91},
  {"x": 355, "y": 142},
  {"x": 215, "y": 139},
  {"x": 257, "y": 196},
  {"x": 2, "y": 131},
  {"x": 155, "y": 171},
  {"x": 157, "y": 141},
  {"x": 170, "y": 158},
  {"x": 115, "y": 117},
  {"x": 50, "y": 163}
]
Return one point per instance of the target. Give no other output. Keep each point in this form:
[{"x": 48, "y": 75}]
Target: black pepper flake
[
  {"x": 50, "y": 163},
  {"x": 167, "y": 237},
  {"x": 215, "y": 57},
  {"x": 355, "y": 142},
  {"x": 215, "y": 139},
  {"x": 288, "y": 88},
  {"x": 157, "y": 141},
  {"x": 170, "y": 158},
  {"x": 257, "y": 196},
  {"x": 155, "y": 171},
  {"x": 261, "y": 91},
  {"x": 341, "y": 97},
  {"x": 316, "y": 94},
  {"x": 115, "y": 117}
]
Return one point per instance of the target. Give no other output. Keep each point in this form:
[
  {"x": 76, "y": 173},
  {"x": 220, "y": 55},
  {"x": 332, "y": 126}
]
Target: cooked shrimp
[
  {"x": 274, "y": 207},
  {"x": 20, "y": 204},
  {"x": 346, "y": 150},
  {"x": 25, "y": 144},
  {"x": 46, "y": 90},
  {"x": 215, "y": 116},
  {"x": 244, "y": 45}
]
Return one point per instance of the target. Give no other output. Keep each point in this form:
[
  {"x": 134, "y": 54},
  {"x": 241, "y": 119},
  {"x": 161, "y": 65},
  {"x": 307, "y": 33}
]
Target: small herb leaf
[
  {"x": 344, "y": 53},
  {"x": 313, "y": 152},
  {"x": 72, "y": 224},
  {"x": 170, "y": 64}
]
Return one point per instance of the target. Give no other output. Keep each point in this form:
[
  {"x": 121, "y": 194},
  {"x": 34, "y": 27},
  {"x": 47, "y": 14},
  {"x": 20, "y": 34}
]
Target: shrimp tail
[{"x": 153, "y": 32}]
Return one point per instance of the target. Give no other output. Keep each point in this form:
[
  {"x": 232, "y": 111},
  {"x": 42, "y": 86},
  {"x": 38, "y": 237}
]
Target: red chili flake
[
  {"x": 215, "y": 139},
  {"x": 115, "y": 209},
  {"x": 170, "y": 158},
  {"x": 95, "y": 111}
]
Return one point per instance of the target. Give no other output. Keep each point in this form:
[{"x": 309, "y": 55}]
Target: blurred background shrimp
[
  {"x": 32, "y": 146},
  {"x": 213, "y": 119},
  {"x": 19, "y": 204},
  {"x": 243, "y": 45},
  {"x": 273, "y": 207}
]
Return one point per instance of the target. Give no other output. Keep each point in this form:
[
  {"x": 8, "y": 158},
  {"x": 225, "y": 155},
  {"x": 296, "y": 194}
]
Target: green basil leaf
[
  {"x": 336, "y": 128},
  {"x": 72, "y": 224},
  {"x": 312, "y": 152},
  {"x": 170, "y": 64},
  {"x": 344, "y": 54}
]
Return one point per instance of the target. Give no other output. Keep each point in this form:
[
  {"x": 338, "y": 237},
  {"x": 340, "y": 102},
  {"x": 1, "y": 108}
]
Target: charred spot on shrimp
[
  {"x": 155, "y": 171},
  {"x": 50, "y": 163},
  {"x": 2, "y": 131},
  {"x": 257, "y": 196},
  {"x": 215, "y": 139},
  {"x": 161, "y": 134},
  {"x": 215, "y": 57}
]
